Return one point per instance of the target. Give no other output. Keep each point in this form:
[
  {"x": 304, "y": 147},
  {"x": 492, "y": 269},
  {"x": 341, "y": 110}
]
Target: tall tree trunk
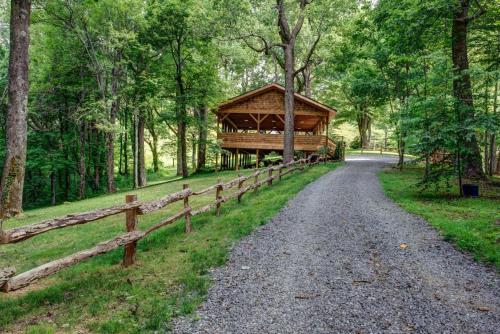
[
  {"x": 276, "y": 71},
  {"x": 52, "y": 188},
  {"x": 153, "y": 143},
  {"x": 12, "y": 182},
  {"x": 110, "y": 135},
  {"x": 120, "y": 159},
  {"x": 202, "y": 137},
  {"x": 493, "y": 141},
  {"x": 81, "y": 162},
  {"x": 462, "y": 91},
  {"x": 288, "y": 147},
  {"x": 307, "y": 75},
  {"x": 181, "y": 149},
  {"x": 125, "y": 145},
  {"x": 142, "y": 162},
  {"x": 288, "y": 38},
  {"x": 363, "y": 123},
  {"x": 182, "y": 169},
  {"x": 153, "y": 146},
  {"x": 193, "y": 151},
  {"x": 154, "y": 152},
  {"x": 96, "y": 157},
  {"x": 67, "y": 183},
  {"x": 136, "y": 151}
]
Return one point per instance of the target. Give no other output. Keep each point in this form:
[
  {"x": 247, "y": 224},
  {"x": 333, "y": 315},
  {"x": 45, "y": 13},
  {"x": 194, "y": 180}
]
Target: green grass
[
  {"x": 473, "y": 225},
  {"x": 169, "y": 279}
]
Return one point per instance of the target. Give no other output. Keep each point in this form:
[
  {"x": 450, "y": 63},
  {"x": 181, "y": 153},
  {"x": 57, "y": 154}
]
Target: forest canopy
[{"x": 121, "y": 91}]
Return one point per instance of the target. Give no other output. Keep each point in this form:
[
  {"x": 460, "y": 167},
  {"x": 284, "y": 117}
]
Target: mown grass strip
[{"x": 473, "y": 225}]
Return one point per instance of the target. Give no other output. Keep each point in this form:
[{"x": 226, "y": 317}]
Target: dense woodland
[{"x": 115, "y": 91}]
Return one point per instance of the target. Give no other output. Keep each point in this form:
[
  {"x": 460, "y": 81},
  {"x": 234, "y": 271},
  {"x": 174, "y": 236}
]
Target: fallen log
[
  {"x": 28, "y": 277},
  {"x": 25, "y": 232}
]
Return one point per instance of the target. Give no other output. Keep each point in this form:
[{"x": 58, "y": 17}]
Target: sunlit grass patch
[{"x": 473, "y": 225}]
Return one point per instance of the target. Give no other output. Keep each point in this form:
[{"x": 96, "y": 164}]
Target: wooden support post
[
  {"x": 217, "y": 161},
  {"x": 257, "y": 159},
  {"x": 187, "y": 215},
  {"x": 218, "y": 196},
  {"x": 130, "y": 225},
  {"x": 237, "y": 162},
  {"x": 270, "y": 182},
  {"x": 240, "y": 184}
]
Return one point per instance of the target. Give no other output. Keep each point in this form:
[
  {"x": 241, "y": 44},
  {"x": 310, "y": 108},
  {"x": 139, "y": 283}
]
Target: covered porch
[{"x": 252, "y": 125}]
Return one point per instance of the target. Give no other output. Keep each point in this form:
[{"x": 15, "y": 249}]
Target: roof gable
[{"x": 278, "y": 88}]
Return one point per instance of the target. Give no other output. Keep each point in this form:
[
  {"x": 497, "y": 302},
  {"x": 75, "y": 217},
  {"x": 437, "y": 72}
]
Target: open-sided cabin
[{"x": 253, "y": 124}]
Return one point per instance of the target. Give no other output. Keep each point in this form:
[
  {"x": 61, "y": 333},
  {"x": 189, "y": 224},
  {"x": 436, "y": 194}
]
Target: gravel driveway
[{"x": 331, "y": 262}]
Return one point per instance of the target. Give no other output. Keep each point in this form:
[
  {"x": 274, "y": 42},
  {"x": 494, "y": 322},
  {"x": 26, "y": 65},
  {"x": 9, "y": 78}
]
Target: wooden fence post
[
  {"x": 240, "y": 184},
  {"x": 187, "y": 215},
  {"x": 218, "y": 197},
  {"x": 279, "y": 173},
  {"x": 270, "y": 174},
  {"x": 130, "y": 225}
]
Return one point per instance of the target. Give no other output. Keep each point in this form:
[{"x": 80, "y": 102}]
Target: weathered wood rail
[{"x": 132, "y": 208}]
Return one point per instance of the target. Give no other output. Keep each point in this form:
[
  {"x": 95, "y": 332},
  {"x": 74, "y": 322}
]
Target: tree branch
[
  {"x": 266, "y": 46},
  {"x": 284, "y": 30},
  {"x": 479, "y": 13},
  {"x": 309, "y": 55}
]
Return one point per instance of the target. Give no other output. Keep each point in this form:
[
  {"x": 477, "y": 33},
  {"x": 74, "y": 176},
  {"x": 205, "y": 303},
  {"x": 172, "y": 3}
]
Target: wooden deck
[{"x": 255, "y": 141}]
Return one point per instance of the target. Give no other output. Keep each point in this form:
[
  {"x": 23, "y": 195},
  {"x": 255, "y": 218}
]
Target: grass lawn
[
  {"x": 473, "y": 225},
  {"x": 170, "y": 278}
]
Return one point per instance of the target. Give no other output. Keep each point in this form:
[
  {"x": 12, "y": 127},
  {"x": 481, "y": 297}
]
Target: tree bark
[
  {"x": 135, "y": 146},
  {"x": 462, "y": 90},
  {"x": 363, "y": 123},
  {"x": 81, "y": 162},
  {"x": 12, "y": 182},
  {"x": 202, "y": 137},
  {"x": 288, "y": 38},
  {"x": 307, "y": 76},
  {"x": 96, "y": 156},
  {"x": 181, "y": 112},
  {"x": 288, "y": 148},
  {"x": 153, "y": 146},
  {"x": 52, "y": 188},
  {"x": 193, "y": 151},
  {"x": 142, "y": 162},
  {"x": 120, "y": 159},
  {"x": 493, "y": 141},
  {"x": 125, "y": 145},
  {"x": 110, "y": 135},
  {"x": 153, "y": 143}
]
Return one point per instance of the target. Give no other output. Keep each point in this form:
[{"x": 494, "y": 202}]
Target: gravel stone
[{"x": 331, "y": 261}]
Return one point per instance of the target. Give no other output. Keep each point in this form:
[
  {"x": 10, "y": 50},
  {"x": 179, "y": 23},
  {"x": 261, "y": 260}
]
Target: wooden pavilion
[{"x": 253, "y": 124}]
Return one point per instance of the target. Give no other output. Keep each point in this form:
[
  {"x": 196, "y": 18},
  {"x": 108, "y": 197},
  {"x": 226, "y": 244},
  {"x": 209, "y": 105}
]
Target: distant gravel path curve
[{"x": 331, "y": 262}]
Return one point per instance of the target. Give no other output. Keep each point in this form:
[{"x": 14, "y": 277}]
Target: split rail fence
[{"x": 132, "y": 209}]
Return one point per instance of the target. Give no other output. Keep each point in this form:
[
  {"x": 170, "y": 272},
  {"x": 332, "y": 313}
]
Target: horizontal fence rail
[{"x": 9, "y": 281}]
